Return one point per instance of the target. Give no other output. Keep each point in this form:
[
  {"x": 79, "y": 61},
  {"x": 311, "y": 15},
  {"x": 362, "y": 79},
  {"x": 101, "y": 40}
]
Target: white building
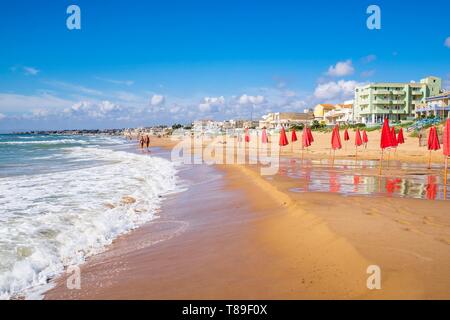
[{"x": 341, "y": 114}]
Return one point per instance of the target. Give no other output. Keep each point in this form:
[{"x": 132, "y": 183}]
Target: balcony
[
  {"x": 389, "y": 102},
  {"x": 389, "y": 92}
]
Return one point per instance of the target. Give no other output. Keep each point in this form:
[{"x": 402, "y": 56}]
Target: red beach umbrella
[
  {"x": 264, "y": 138},
  {"x": 310, "y": 135},
  {"x": 283, "y": 138},
  {"x": 294, "y": 136},
  {"x": 394, "y": 141},
  {"x": 433, "y": 140},
  {"x": 385, "y": 141},
  {"x": 446, "y": 149},
  {"x": 306, "y": 141},
  {"x": 358, "y": 140},
  {"x": 386, "y": 138},
  {"x": 433, "y": 143},
  {"x": 400, "y": 138},
  {"x": 247, "y": 135},
  {"x": 365, "y": 138},
  {"x": 336, "y": 139},
  {"x": 346, "y": 135}
]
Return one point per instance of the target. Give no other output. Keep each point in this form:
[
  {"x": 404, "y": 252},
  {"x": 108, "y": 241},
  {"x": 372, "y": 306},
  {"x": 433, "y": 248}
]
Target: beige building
[
  {"x": 286, "y": 119},
  {"x": 321, "y": 109}
]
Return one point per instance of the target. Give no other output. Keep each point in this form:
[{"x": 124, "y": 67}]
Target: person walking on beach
[
  {"x": 420, "y": 137},
  {"x": 141, "y": 142},
  {"x": 147, "y": 142}
]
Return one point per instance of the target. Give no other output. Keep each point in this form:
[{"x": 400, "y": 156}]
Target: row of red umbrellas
[{"x": 389, "y": 139}]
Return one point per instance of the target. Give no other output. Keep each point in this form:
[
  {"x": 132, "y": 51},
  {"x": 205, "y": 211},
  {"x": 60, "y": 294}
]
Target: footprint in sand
[
  {"x": 430, "y": 221},
  {"x": 403, "y": 211},
  {"x": 373, "y": 213},
  {"x": 412, "y": 230},
  {"x": 402, "y": 222},
  {"x": 446, "y": 241}
]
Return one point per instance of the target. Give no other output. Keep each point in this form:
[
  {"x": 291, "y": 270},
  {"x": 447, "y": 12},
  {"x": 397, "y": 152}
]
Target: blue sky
[{"x": 146, "y": 62}]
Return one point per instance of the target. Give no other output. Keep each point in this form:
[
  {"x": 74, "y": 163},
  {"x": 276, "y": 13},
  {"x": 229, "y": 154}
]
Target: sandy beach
[{"x": 235, "y": 234}]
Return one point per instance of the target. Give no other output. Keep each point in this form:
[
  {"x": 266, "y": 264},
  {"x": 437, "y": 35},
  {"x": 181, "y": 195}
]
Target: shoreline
[{"x": 303, "y": 249}]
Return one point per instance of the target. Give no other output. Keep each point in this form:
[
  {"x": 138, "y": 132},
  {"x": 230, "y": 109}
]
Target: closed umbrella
[
  {"x": 335, "y": 141},
  {"x": 264, "y": 138},
  {"x": 283, "y": 138},
  {"x": 293, "y": 138},
  {"x": 346, "y": 137},
  {"x": 358, "y": 142},
  {"x": 365, "y": 138},
  {"x": 247, "y": 135},
  {"x": 400, "y": 137},
  {"x": 310, "y": 135},
  {"x": 433, "y": 143},
  {"x": 385, "y": 141}
]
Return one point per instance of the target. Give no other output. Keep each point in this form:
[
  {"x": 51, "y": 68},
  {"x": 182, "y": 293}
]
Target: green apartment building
[{"x": 396, "y": 101}]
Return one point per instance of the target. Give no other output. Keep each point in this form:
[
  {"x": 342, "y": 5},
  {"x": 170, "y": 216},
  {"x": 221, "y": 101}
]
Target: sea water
[{"x": 64, "y": 198}]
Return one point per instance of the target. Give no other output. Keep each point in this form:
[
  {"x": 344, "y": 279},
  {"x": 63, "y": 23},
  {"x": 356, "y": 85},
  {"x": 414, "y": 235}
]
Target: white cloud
[
  {"x": 211, "y": 104},
  {"x": 93, "y": 110},
  {"x": 157, "y": 100},
  {"x": 20, "y": 103},
  {"x": 342, "y": 68},
  {"x": 246, "y": 100},
  {"x": 74, "y": 87},
  {"x": 336, "y": 90},
  {"x": 447, "y": 42},
  {"x": 30, "y": 71},
  {"x": 119, "y": 82}
]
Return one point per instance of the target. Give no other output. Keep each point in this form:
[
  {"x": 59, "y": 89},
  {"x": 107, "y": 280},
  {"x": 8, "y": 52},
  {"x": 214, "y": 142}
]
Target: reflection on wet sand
[{"x": 403, "y": 180}]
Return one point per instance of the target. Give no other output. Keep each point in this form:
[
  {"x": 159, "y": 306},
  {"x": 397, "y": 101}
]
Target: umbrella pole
[
  {"x": 334, "y": 155},
  {"x": 389, "y": 157},
  {"x": 429, "y": 161},
  {"x": 445, "y": 171},
  {"x": 356, "y": 157},
  {"x": 381, "y": 161}
]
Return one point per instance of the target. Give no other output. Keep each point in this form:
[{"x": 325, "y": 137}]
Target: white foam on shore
[
  {"x": 43, "y": 142},
  {"x": 50, "y": 221}
]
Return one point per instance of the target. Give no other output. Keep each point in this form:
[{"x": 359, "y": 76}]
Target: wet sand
[{"x": 237, "y": 235}]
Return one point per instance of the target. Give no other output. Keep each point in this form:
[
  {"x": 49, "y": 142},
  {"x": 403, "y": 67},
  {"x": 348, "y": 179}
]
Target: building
[
  {"x": 396, "y": 101},
  {"x": 435, "y": 106},
  {"x": 321, "y": 109},
  {"x": 286, "y": 119},
  {"x": 251, "y": 124},
  {"x": 207, "y": 125},
  {"x": 341, "y": 114}
]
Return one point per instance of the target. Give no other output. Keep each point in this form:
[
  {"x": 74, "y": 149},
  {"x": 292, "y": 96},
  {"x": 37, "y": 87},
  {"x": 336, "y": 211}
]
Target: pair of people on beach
[{"x": 144, "y": 141}]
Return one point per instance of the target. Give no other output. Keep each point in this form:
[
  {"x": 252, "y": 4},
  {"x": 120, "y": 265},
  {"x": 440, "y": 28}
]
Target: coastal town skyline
[{"x": 217, "y": 67}]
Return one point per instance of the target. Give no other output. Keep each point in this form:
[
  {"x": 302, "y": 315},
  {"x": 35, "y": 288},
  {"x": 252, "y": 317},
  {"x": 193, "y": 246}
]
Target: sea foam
[{"x": 53, "y": 220}]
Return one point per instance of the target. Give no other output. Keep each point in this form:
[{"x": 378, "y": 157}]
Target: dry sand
[{"x": 237, "y": 235}]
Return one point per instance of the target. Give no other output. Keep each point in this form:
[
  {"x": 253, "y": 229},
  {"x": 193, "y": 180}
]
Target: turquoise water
[
  {"x": 61, "y": 200},
  {"x": 34, "y": 154}
]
